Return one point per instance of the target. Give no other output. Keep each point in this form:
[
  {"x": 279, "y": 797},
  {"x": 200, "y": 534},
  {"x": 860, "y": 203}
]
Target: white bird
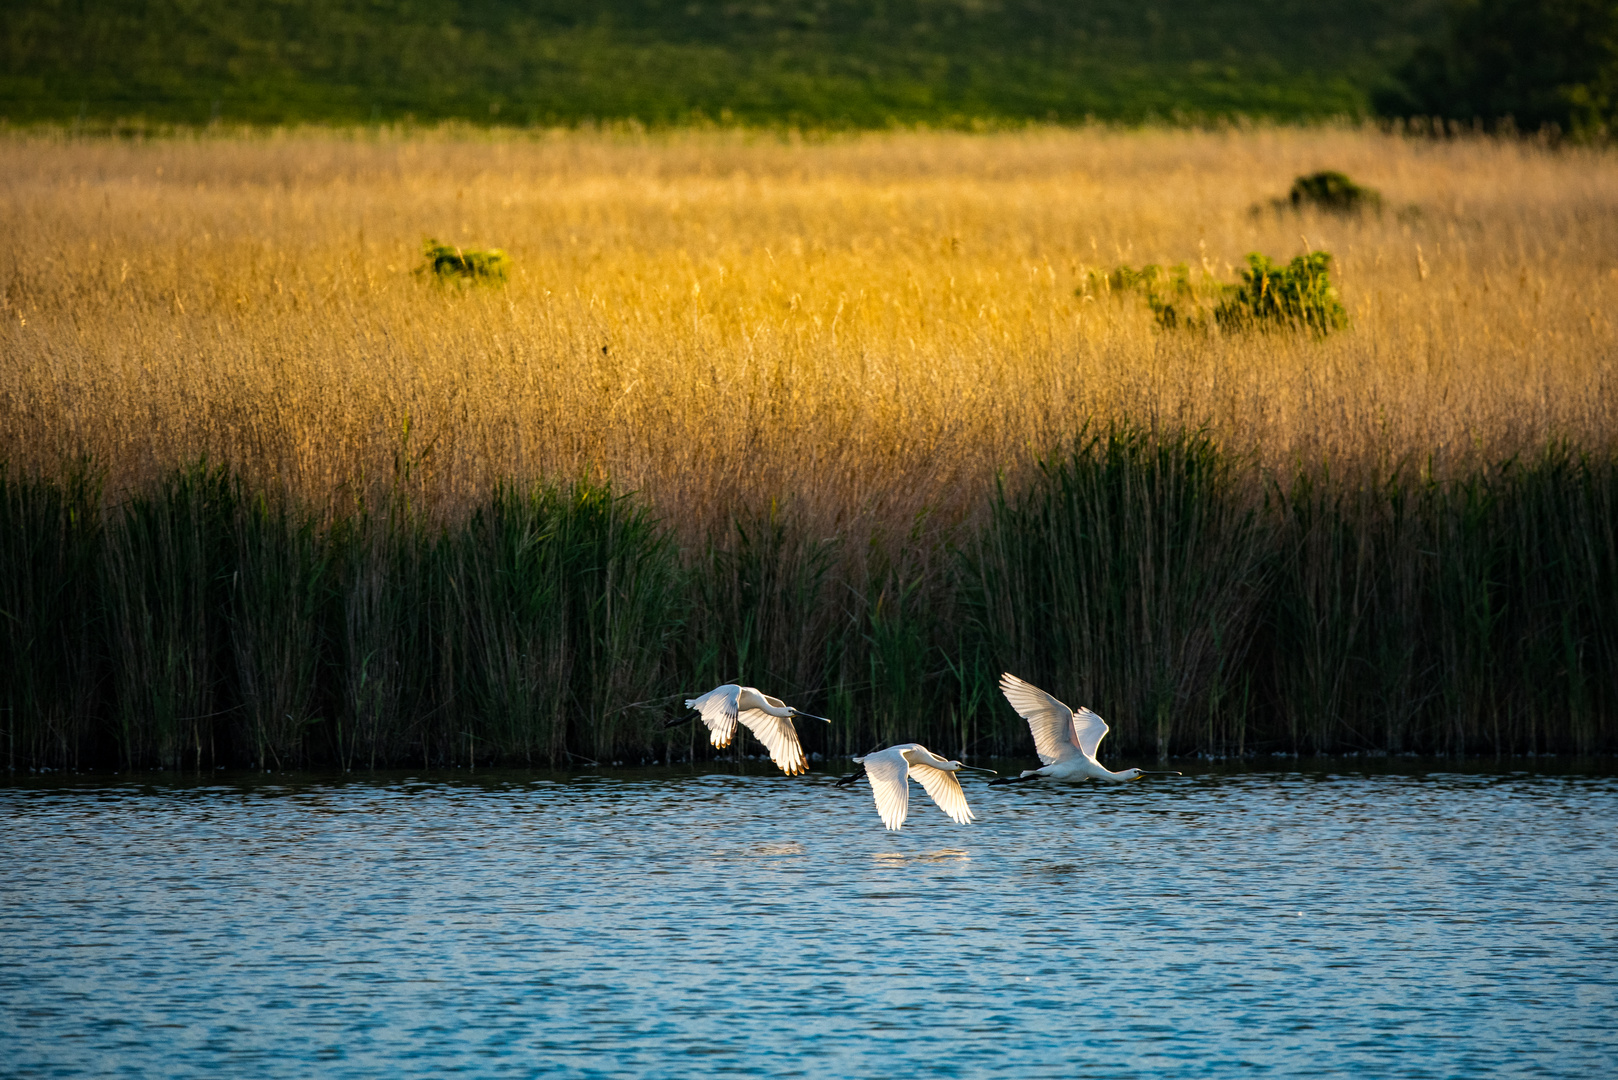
[
  {"x": 1065, "y": 740},
  {"x": 770, "y": 719},
  {"x": 888, "y": 771}
]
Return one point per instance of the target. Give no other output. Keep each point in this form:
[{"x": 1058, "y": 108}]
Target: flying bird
[
  {"x": 768, "y": 718},
  {"x": 888, "y": 771},
  {"x": 1065, "y": 740}
]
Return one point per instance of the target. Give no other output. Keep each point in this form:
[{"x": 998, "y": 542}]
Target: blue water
[{"x": 659, "y": 923}]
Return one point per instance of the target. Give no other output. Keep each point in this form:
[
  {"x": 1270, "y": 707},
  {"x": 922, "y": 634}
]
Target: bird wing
[
  {"x": 1088, "y": 731},
  {"x": 891, "y": 790},
  {"x": 1050, "y": 721},
  {"x": 779, "y": 737},
  {"x": 945, "y": 788},
  {"x": 718, "y": 709}
]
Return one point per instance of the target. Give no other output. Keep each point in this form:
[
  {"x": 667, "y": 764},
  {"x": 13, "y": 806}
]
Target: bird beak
[
  {"x": 978, "y": 768},
  {"x": 1143, "y": 772},
  {"x": 810, "y": 715}
]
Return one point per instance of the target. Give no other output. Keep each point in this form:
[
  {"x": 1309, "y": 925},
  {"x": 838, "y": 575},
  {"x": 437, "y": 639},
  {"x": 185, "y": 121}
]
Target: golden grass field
[{"x": 862, "y": 328}]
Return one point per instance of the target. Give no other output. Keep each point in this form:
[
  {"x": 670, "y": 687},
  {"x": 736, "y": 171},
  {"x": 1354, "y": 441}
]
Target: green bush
[
  {"x": 1167, "y": 291},
  {"x": 1294, "y": 296},
  {"x": 1334, "y": 191},
  {"x": 446, "y": 262}
]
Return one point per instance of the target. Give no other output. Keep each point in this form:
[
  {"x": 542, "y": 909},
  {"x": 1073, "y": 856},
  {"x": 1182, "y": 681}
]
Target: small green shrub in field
[
  {"x": 1294, "y": 296},
  {"x": 1167, "y": 291},
  {"x": 446, "y": 262},
  {"x": 1298, "y": 295},
  {"x": 1327, "y": 190},
  {"x": 1150, "y": 278},
  {"x": 1333, "y": 191}
]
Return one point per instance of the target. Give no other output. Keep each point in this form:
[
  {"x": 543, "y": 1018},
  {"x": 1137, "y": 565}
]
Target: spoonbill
[
  {"x": 1065, "y": 740},
  {"x": 888, "y": 771},
  {"x": 768, "y": 718}
]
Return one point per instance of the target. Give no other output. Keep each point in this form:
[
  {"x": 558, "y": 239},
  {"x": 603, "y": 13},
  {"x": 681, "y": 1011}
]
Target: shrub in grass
[
  {"x": 1333, "y": 191},
  {"x": 1328, "y": 190},
  {"x": 446, "y": 262},
  {"x": 1168, "y": 291},
  {"x": 1294, "y": 296}
]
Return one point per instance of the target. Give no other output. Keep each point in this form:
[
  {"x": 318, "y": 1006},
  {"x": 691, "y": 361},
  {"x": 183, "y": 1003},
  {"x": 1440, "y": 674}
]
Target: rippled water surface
[{"x": 658, "y": 923}]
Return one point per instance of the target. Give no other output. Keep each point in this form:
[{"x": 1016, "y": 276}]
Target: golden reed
[{"x": 862, "y": 328}]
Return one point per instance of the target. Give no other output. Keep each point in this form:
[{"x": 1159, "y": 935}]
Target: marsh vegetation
[{"x": 852, "y": 418}]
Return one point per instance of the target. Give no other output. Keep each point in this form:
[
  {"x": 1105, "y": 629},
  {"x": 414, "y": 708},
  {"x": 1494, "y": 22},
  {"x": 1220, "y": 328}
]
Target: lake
[{"x": 1392, "y": 919}]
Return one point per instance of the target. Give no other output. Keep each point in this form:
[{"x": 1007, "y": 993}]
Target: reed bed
[{"x": 853, "y": 418}]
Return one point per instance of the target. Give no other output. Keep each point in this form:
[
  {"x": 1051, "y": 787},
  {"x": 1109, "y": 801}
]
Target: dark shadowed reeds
[
  {"x": 563, "y": 605},
  {"x": 1199, "y": 602},
  {"x": 165, "y": 601},
  {"x": 1133, "y": 573},
  {"x": 51, "y": 542},
  {"x": 281, "y": 578},
  {"x": 1469, "y": 616}
]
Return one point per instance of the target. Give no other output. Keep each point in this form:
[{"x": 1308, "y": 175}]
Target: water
[{"x": 1348, "y": 923}]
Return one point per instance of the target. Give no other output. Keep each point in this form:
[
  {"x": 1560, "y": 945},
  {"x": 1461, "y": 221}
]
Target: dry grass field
[
  {"x": 861, "y": 328},
  {"x": 846, "y": 346}
]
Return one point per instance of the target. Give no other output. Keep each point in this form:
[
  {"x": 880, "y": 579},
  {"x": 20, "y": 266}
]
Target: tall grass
[
  {"x": 568, "y": 600},
  {"x": 1470, "y": 615},
  {"x": 846, "y": 418},
  {"x": 280, "y": 580},
  {"x": 50, "y": 659},
  {"x": 206, "y": 624},
  {"x": 1203, "y": 604},
  {"x": 1134, "y": 570},
  {"x": 163, "y": 596}
]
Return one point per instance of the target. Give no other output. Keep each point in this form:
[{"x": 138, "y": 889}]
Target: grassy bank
[{"x": 1203, "y": 605}]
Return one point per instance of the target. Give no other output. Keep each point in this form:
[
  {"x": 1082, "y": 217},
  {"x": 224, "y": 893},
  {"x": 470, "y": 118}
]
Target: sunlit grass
[{"x": 864, "y": 326}]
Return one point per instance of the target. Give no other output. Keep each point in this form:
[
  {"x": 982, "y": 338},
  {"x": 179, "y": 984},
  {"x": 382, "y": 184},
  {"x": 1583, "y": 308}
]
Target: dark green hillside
[
  {"x": 831, "y": 62},
  {"x": 1539, "y": 62}
]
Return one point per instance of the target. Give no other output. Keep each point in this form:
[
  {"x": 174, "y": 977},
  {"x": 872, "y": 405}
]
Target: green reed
[
  {"x": 1200, "y": 603},
  {"x": 51, "y": 540},
  {"x": 1132, "y": 572},
  {"x": 280, "y": 580},
  {"x": 165, "y": 603}
]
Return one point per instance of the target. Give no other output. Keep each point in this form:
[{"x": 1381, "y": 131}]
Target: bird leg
[
  {"x": 848, "y": 781},
  {"x": 678, "y": 720},
  {"x": 1030, "y": 775}
]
